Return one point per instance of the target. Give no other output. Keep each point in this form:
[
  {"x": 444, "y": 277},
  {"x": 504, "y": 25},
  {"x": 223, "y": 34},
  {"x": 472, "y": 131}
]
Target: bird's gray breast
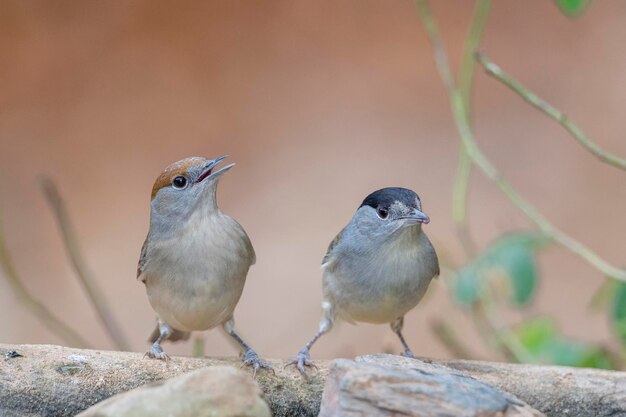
[
  {"x": 195, "y": 280},
  {"x": 380, "y": 282}
]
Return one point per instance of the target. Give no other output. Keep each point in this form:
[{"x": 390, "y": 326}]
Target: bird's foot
[
  {"x": 156, "y": 352},
  {"x": 303, "y": 359},
  {"x": 251, "y": 358},
  {"x": 408, "y": 354}
]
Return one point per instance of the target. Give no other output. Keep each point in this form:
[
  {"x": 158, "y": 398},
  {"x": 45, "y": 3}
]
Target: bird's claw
[
  {"x": 251, "y": 358},
  {"x": 408, "y": 354},
  {"x": 303, "y": 359},
  {"x": 156, "y": 352}
]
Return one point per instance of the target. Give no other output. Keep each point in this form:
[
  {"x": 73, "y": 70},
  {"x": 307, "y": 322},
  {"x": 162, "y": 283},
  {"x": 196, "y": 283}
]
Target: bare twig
[
  {"x": 85, "y": 277},
  {"x": 466, "y": 83},
  {"x": 537, "y": 102},
  {"x": 50, "y": 321},
  {"x": 472, "y": 42},
  {"x": 474, "y": 152},
  {"x": 460, "y": 193}
]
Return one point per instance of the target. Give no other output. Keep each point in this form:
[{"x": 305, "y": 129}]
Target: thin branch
[
  {"x": 85, "y": 277},
  {"x": 34, "y": 306},
  {"x": 474, "y": 152},
  {"x": 472, "y": 43},
  {"x": 439, "y": 49},
  {"x": 466, "y": 82},
  {"x": 460, "y": 194},
  {"x": 537, "y": 102}
]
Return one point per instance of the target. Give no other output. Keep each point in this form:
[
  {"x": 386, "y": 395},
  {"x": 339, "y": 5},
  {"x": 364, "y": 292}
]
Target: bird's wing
[
  {"x": 143, "y": 258},
  {"x": 250, "y": 248},
  {"x": 243, "y": 236},
  {"x": 433, "y": 254},
  {"x": 437, "y": 271},
  {"x": 328, "y": 258}
]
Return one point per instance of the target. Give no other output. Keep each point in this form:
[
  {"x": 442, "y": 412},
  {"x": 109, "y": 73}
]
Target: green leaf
[
  {"x": 543, "y": 342},
  {"x": 467, "y": 286},
  {"x": 602, "y": 298},
  {"x": 567, "y": 352},
  {"x": 618, "y": 311},
  {"x": 519, "y": 264},
  {"x": 572, "y": 7},
  {"x": 513, "y": 254},
  {"x": 536, "y": 334}
]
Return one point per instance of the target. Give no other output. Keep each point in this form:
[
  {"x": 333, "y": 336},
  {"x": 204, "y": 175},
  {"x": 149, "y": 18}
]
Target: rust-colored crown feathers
[{"x": 177, "y": 168}]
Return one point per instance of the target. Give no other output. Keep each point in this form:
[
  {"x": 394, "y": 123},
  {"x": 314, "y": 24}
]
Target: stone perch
[
  {"x": 391, "y": 387},
  {"x": 58, "y": 381},
  {"x": 212, "y": 391}
]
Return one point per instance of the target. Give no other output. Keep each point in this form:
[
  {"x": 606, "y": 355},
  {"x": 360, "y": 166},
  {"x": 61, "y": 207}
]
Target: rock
[
  {"x": 557, "y": 391},
  {"x": 59, "y": 381},
  {"x": 410, "y": 387},
  {"x": 217, "y": 391}
]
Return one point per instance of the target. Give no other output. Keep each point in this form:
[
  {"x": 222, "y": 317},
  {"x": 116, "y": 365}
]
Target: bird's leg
[
  {"x": 156, "y": 351},
  {"x": 304, "y": 357},
  {"x": 250, "y": 357},
  {"x": 396, "y": 326}
]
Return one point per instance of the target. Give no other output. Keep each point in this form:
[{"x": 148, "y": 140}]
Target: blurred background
[{"x": 319, "y": 103}]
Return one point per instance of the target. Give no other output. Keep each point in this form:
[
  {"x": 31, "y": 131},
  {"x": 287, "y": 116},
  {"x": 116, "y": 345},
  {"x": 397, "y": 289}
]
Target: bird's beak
[
  {"x": 208, "y": 169},
  {"x": 416, "y": 217}
]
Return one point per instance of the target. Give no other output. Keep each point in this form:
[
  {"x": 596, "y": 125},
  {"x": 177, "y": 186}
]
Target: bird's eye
[
  {"x": 179, "y": 182},
  {"x": 383, "y": 213}
]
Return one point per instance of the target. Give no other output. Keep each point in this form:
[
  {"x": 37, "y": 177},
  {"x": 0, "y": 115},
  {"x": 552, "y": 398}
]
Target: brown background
[{"x": 318, "y": 103}]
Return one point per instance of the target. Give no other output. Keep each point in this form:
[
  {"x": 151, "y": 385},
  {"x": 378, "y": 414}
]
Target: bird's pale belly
[
  {"x": 198, "y": 304},
  {"x": 376, "y": 301}
]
